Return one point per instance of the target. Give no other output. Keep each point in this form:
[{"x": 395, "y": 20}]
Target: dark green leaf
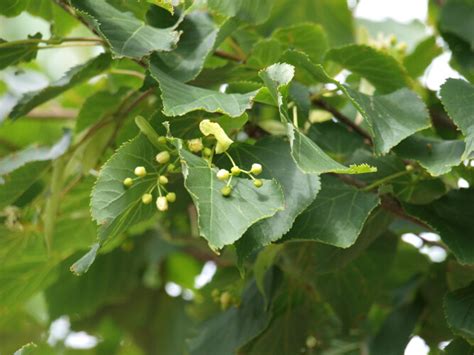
[
  {"x": 14, "y": 53},
  {"x": 223, "y": 220},
  {"x": 424, "y": 53},
  {"x": 252, "y": 11},
  {"x": 457, "y": 17},
  {"x": 299, "y": 191},
  {"x": 381, "y": 69},
  {"x": 452, "y": 217},
  {"x": 336, "y": 216},
  {"x": 459, "y": 311},
  {"x": 458, "y": 98},
  {"x": 127, "y": 35}
]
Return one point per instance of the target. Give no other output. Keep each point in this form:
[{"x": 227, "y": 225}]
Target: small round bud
[
  {"x": 162, "y": 140},
  {"x": 235, "y": 170},
  {"x": 258, "y": 183},
  {"x": 207, "y": 152},
  {"x": 163, "y": 180},
  {"x": 140, "y": 171},
  {"x": 147, "y": 198},
  {"x": 409, "y": 167},
  {"x": 170, "y": 168},
  {"x": 226, "y": 191},
  {"x": 171, "y": 197},
  {"x": 223, "y": 174},
  {"x": 225, "y": 300},
  {"x": 256, "y": 169},
  {"x": 163, "y": 157},
  {"x": 128, "y": 182},
  {"x": 195, "y": 145},
  {"x": 311, "y": 342},
  {"x": 162, "y": 203}
]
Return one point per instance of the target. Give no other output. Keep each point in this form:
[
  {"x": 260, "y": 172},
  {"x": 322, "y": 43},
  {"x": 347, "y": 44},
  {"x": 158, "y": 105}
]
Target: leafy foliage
[{"x": 235, "y": 177}]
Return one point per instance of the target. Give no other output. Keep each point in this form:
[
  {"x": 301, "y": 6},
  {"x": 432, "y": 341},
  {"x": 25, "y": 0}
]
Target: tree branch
[{"x": 342, "y": 118}]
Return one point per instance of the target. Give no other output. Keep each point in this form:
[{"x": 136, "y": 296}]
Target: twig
[
  {"x": 229, "y": 56},
  {"x": 342, "y": 118},
  {"x": 55, "y": 114}
]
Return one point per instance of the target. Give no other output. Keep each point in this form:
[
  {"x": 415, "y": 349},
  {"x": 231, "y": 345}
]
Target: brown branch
[
  {"x": 342, "y": 118},
  {"x": 229, "y": 56}
]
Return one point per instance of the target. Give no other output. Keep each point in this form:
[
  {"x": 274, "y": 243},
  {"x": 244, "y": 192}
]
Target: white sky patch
[
  {"x": 463, "y": 184},
  {"x": 206, "y": 275},
  {"x": 399, "y": 10},
  {"x": 172, "y": 289},
  {"x": 417, "y": 346},
  {"x": 80, "y": 340},
  {"x": 435, "y": 253}
]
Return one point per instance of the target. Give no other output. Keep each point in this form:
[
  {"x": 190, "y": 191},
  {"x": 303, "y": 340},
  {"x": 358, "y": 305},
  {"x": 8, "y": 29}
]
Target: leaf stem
[
  {"x": 54, "y": 41},
  {"x": 384, "y": 180}
]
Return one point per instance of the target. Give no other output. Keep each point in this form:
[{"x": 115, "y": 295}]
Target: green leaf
[
  {"x": 336, "y": 216},
  {"x": 306, "y": 259},
  {"x": 126, "y": 35},
  {"x": 73, "y": 77},
  {"x": 12, "y": 53},
  {"x": 381, "y": 69},
  {"x": 234, "y": 327},
  {"x": 21, "y": 169},
  {"x": 307, "y": 37},
  {"x": 457, "y": 17},
  {"x": 392, "y": 338},
  {"x": 308, "y": 156},
  {"x": 458, "y": 98},
  {"x": 459, "y": 311},
  {"x": 197, "y": 41},
  {"x": 264, "y": 53},
  {"x": 458, "y": 346},
  {"x": 223, "y": 220},
  {"x": 179, "y": 98},
  {"x": 12, "y": 8},
  {"x": 26, "y": 349},
  {"x": 313, "y": 160},
  {"x": 389, "y": 121},
  {"x": 252, "y": 11},
  {"x": 451, "y": 216},
  {"x": 96, "y": 106},
  {"x": 435, "y": 155},
  {"x": 114, "y": 206},
  {"x": 424, "y": 53},
  {"x": 299, "y": 191},
  {"x": 368, "y": 272}
]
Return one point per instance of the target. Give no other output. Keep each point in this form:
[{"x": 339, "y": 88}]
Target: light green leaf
[
  {"x": 336, "y": 216},
  {"x": 299, "y": 191},
  {"x": 308, "y": 156},
  {"x": 197, "y": 41},
  {"x": 264, "y": 53},
  {"x": 252, "y": 11},
  {"x": 12, "y": 53},
  {"x": 313, "y": 160},
  {"x": 127, "y": 35},
  {"x": 452, "y": 217},
  {"x": 309, "y": 38},
  {"x": 213, "y": 128},
  {"x": 179, "y": 98},
  {"x": 73, "y": 77},
  {"x": 458, "y": 98},
  {"x": 459, "y": 311},
  {"x": 389, "y": 121},
  {"x": 435, "y": 155},
  {"x": 97, "y": 106},
  {"x": 424, "y": 53},
  {"x": 223, "y": 220},
  {"x": 381, "y": 69},
  {"x": 26, "y": 349},
  {"x": 21, "y": 169}
]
